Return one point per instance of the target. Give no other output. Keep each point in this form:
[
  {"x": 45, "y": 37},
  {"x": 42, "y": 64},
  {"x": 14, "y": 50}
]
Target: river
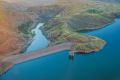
[
  {"x": 39, "y": 40},
  {"x": 103, "y": 65}
]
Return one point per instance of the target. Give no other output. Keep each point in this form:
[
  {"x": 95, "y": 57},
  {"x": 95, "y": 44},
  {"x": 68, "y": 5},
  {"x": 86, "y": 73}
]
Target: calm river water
[{"x": 39, "y": 40}]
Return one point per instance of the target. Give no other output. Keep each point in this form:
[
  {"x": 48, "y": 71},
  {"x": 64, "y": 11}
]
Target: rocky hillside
[
  {"x": 16, "y": 22},
  {"x": 46, "y": 13},
  {"x": 64, "y": 19},
  {"x": 58, "y": 32},
  {"x": 11, "y": 41},
  {"x": 88, "y": 14},
  {"x": 80, "y": 16},
  {"x": 8, "y": 36}
]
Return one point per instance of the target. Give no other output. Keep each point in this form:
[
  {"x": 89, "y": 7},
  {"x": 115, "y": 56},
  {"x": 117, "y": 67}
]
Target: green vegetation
[
  {"x": 3, "y": 66},
  {"x": 26, "y": 27},
  {"x": 94, "y": 11},
  {"x": 65, "y": 26},
  {"x": 62, "y": 33},
  {"x": 93, "y": 45},
  {"x": 74, "y": 17},
  {"x": 89, "y": 16},
  {"x": 87, "y": 21}
]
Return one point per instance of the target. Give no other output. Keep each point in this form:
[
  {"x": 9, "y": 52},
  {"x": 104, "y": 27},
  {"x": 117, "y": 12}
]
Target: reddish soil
[{"x": 11, "y": 41}]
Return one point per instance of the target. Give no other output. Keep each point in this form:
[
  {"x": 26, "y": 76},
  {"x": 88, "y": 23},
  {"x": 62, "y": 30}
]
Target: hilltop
[{"x": 78, "y": 16}]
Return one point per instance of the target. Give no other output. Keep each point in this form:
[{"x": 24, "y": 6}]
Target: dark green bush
[{"x": 26, "y": 27}]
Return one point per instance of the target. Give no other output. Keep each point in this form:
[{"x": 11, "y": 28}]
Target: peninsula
[{"x": 66, "y": 22}]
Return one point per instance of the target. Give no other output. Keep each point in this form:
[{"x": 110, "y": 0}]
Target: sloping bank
[{"x": 20, "y": 58}]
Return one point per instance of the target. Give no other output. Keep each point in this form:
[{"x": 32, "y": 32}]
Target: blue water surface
[
  {"x": 39, "y": 40},
  {"x": 103, "y": 65}
]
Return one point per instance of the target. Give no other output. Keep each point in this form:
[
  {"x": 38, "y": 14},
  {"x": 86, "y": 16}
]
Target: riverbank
[
  {"x": 28, "y": 37},
  {"x": 6, "y": 69},
  {"x": 39, "y": 40},
  {"x": 20, "y": 58}
]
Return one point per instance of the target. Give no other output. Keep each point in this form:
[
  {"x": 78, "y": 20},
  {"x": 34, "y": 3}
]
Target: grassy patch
[
  {"x": 81, "y": 42},
  {"x": 3, "y": 66},
  {"x": 26, "y": 27}
]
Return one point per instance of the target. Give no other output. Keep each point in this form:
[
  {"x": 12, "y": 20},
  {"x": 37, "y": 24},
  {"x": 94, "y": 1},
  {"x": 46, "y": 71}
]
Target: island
[{"x": 65, "y": 24}]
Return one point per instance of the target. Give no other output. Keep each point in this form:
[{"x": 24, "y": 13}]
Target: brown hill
[{"x": 11, "y": 42}]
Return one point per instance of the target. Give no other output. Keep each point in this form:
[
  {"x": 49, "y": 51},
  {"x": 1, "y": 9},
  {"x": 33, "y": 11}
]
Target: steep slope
[
  {"x": 11, "y": 41},
  {"x": 88, "y": 14}
]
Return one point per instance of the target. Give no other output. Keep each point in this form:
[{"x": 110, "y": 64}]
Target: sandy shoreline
[{"x": 20, "y": 58}]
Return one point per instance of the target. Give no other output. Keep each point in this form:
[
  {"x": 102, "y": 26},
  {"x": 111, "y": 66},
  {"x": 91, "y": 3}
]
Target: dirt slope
[{"x": 11, "y": 41}]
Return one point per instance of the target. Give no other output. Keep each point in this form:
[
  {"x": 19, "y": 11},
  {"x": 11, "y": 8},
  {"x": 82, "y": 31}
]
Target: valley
[{"x": 65, "y": 21}]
